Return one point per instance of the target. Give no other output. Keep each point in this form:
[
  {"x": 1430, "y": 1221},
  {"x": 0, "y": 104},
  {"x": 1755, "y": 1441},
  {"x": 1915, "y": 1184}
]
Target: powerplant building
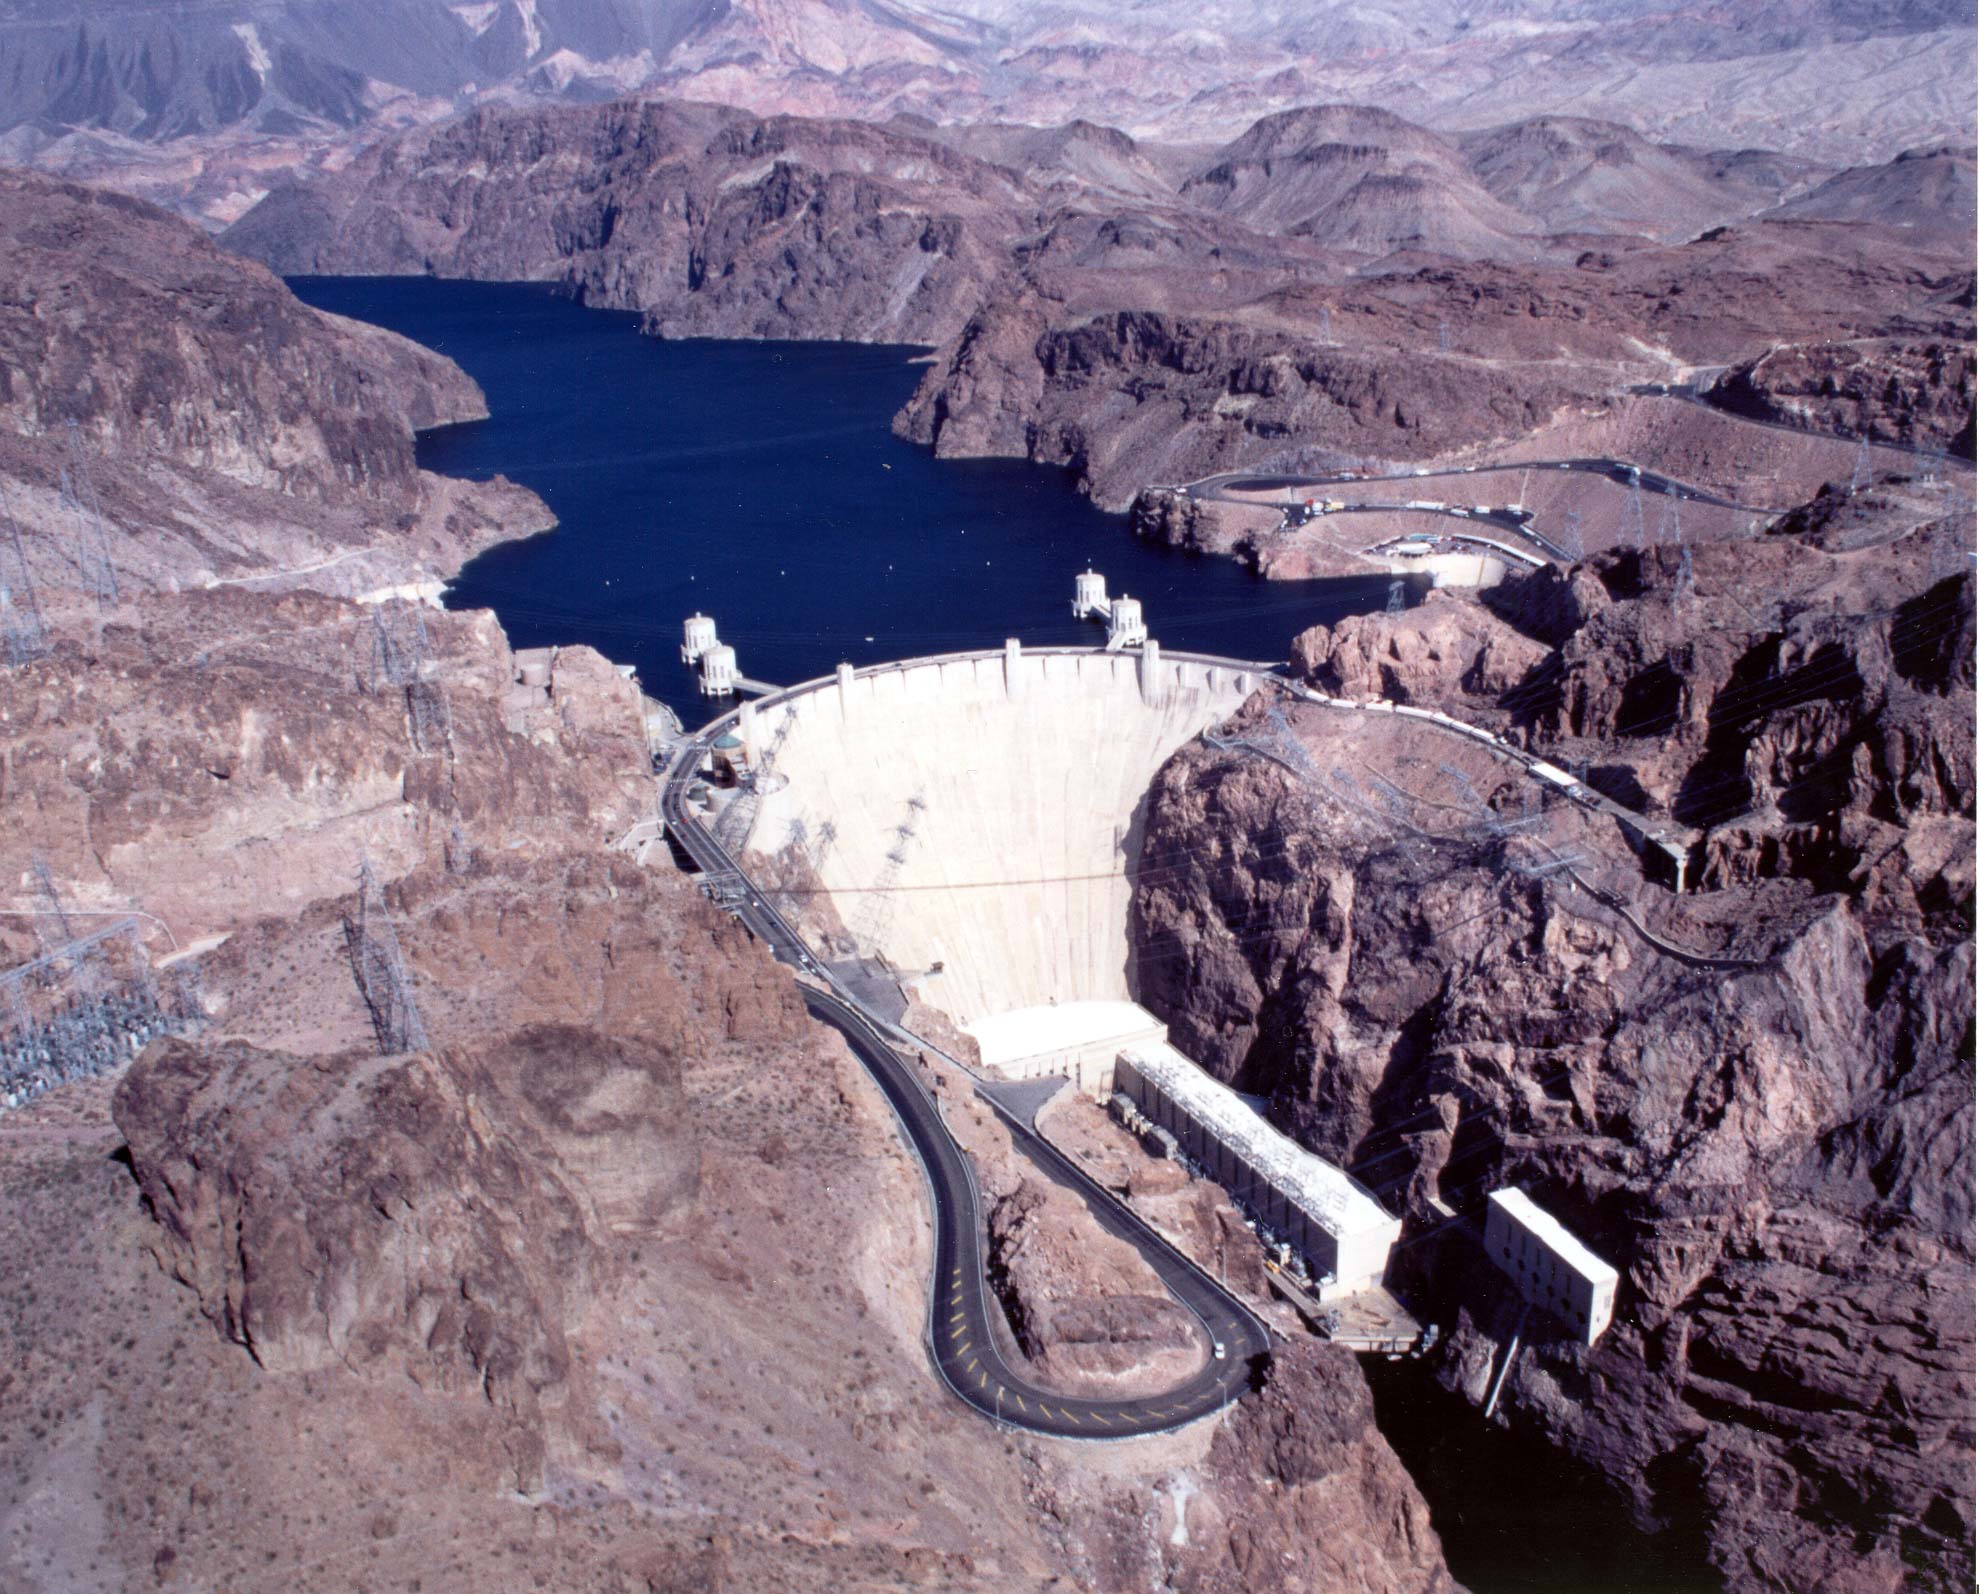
[
  {"x": 1552, "y": 1269},
  {"x": 985, "y": 811},
  {"x": 1343, "y": 1232}
]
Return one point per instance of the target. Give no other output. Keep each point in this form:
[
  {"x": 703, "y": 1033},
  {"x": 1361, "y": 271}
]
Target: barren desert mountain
[
  {"x": 1348, "y": 300},
  {"x": 1928, "y": 193},
  {"x": 1359, "y": 179},
  {"x": 1580, "y": 176},
  {"x": 202, "y": 110}
]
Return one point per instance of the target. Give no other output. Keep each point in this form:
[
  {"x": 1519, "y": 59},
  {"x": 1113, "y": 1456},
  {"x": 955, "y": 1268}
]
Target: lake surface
[{"x": 759, "y": 483}]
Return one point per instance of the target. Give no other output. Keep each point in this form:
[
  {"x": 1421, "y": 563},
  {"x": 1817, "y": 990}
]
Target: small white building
[
  {"x": 1088, "y": 594},
  {"x": 697, "y": 637},
  {"x": 1124, "y": 626},
  {"x": 1552, "y": 1269},
  {"x": 1077, "y": 1039},
  {"x": 1343, "y": 1232},
  {"x": 719, "y": 671}
]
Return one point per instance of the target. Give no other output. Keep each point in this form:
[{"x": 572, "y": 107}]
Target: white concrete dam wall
[{"x": 1031, "y": 767}]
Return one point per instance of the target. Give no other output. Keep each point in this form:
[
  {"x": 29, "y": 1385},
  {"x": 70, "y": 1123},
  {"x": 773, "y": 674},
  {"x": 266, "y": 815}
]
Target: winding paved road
[
  {"x": 965, "y": 1320},
  {"x": 1615, "y": 470}
]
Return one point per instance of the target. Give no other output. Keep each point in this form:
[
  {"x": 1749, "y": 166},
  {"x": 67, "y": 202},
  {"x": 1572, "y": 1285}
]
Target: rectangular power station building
[
  {"x": 1341, "y": 1229},
  {"x": 1552, "y": 1269}
]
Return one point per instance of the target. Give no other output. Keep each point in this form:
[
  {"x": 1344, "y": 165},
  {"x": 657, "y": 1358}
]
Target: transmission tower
[
  {"x": 382, "y": 978},
  {"x": 1634, "y": 528},
  {"x": 876, "y": 918},
  {"x": 400, "y": 656},
  {"x": 1570, "y": 539},
  {"x": 22, "y": 636},
  {"x": 1685, "y": 590},
  {"x": 1859, "y": 474},
  {"x": 80, "y": 950},
  {"x": 92, "y": 542},
  {"x": 1669, "y": 525},
  {"x": 1443, "y": 337}
]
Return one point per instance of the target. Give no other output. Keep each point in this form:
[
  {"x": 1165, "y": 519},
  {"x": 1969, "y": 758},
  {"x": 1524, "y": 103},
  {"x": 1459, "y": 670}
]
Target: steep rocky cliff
[
  {"x": 712, "y": 222},
  {"x": 223, "y": 428},
  {"x": 1914, "y": 393},
  {"x": 353, "y": 1211},
  {"x": 1755, "y": 1100}
]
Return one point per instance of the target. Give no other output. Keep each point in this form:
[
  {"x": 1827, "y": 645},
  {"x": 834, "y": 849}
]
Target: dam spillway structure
[{"x": 986, "y": 810}]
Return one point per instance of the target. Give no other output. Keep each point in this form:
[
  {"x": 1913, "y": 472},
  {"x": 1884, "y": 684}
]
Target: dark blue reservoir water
[{"x": 759, "y": 483}]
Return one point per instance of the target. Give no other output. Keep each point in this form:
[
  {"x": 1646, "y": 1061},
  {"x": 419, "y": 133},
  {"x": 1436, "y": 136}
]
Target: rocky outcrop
[
  {"x": 1136, "y": 396},
  {"x": 239, "y": 752},
  {"x": 1918, "y": 394},
  {"x": 224, "y": 429},
  {"x": 1417, "y": 656},
  {"x": 358, "y": 1210},
  {"x": 1334, "y": 1509},
  {"x": 1773, "y": 1151},
  {"x": 710, "y": 221},
  {"x": 153, "y": 340}
]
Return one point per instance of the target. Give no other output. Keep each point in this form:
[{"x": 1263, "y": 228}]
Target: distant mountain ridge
[{"x": 90, "y": 89}]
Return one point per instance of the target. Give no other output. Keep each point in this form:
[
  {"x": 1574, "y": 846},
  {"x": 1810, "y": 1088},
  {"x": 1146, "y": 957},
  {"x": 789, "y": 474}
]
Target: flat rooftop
[
  {"x": 1024, "y": 1032},
  {"x": 1552, "y": 1233},
  {"x": 1328, "y": 1195}
]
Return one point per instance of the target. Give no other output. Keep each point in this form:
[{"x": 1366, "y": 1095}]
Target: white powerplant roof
[
  {"x": 1325, "y": 1193},
  {"x": 1552, "y": 1234}
]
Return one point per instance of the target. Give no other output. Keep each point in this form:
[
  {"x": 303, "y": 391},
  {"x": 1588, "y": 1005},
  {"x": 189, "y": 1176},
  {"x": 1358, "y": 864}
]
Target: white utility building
[
  {"x": 1344, "y": 1233},
  {"x": 1088, "y": 594},
  {"x": 1078, "y": 1040},
  {"x": 1552, "y": 1269},
  {"x": 697, "y": 637},
  {"x": 1124, "y": 625},
  {"x": 719, "y": 671}
]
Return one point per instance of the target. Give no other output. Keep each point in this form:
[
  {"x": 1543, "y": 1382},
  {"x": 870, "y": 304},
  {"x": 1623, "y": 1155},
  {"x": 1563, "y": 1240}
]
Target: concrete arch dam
[{"x": 985, "y": 815}]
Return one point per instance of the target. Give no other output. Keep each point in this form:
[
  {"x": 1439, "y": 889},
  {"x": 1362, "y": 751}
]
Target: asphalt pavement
[{"x": 966, "y": 1324}]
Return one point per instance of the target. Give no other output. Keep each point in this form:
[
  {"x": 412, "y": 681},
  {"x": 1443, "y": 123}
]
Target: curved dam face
[{"x": 982, "y": 812}]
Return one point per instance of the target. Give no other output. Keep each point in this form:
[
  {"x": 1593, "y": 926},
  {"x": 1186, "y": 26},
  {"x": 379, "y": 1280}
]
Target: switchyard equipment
[
  {"x": 1344, "y": 1233},
  {"x": 1553, "y": 1270}
]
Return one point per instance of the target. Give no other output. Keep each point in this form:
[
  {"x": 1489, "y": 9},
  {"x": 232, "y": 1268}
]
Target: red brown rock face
[
  {"x": 1774, "y": 1152},
  {"x": 1335, "y": 284},
  {"x": 358, "y": 1210}
]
